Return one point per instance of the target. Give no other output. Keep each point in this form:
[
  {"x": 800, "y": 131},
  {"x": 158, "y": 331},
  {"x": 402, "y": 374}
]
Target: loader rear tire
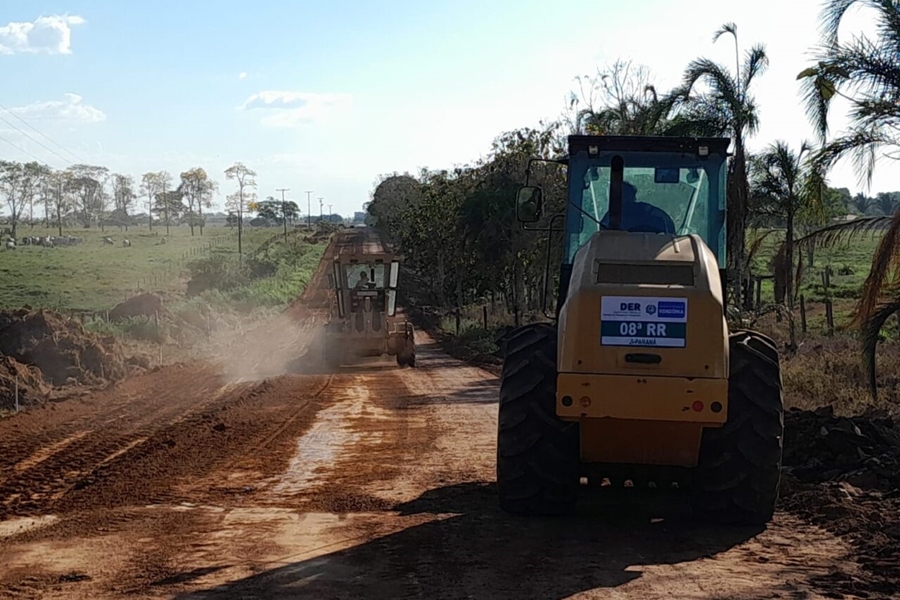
[
  {"x": 537, "y": 452},
  {"x": 739, "y": 470}
]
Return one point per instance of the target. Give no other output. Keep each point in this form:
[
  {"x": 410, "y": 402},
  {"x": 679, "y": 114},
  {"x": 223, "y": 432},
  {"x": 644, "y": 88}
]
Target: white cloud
[
  {"x": 70, "y": 109},
  {"x": 47, "y": 35},
  {"x": 242, "y": 75},
  {"x": 292, "y": 109}
]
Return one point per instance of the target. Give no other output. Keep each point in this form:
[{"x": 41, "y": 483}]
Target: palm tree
[
  {"x": 783, "y": 183},
  {"x": 865, "y": 73},
  {"x": 727, "y": 101},
  {"x": 861, "y": 203},
  {"x": 886, "y": 203}
]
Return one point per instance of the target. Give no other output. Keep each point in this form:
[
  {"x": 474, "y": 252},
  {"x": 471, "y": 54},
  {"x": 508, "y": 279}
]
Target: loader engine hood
[{"x": 645, "y": 305}]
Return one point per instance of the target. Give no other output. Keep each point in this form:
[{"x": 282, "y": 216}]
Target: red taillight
[{"x": 697, "y": 406}]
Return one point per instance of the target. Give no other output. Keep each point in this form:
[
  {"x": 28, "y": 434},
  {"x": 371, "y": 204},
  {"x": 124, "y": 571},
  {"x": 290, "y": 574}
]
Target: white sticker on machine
[{"x": 643, "y": 321}]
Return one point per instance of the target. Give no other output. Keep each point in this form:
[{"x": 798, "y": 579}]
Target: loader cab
[{"x": 666, "y": 186}]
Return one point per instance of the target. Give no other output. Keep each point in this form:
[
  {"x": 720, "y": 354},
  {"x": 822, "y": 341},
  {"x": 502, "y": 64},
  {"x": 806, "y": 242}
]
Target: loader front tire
[
  {"x": 739, "y": 470},
  {"x": 537, "y": 452}
]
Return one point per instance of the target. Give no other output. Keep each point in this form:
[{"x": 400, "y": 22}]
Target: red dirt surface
[{"x": 234, "y": 478}]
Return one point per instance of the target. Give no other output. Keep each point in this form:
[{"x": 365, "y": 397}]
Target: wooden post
[
  {"x": 758, "y": 293},
  {"x": 829, "y": 316},
  {"x": 484, "y": 315},
  {"x": 803, "y": 313}
]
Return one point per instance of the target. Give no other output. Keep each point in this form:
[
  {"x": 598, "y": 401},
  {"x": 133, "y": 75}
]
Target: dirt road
[{"x": 203, "y": 482}]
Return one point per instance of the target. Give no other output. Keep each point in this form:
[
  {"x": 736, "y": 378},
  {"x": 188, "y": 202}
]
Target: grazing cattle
[
  {"x": 108, "y": 240},
  {"x": 126, "y": 243},
  {"x": 10, "y": 244},
  {"x": 163, "y": 240}
]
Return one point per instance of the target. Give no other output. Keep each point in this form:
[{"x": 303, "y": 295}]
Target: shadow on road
[{"x": 472, "y": 550}]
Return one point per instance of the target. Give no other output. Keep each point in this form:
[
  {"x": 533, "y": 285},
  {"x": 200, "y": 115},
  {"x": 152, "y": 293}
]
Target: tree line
[
  {"x": 92, "y": 196},
  {"x": 457, "y": 227}
]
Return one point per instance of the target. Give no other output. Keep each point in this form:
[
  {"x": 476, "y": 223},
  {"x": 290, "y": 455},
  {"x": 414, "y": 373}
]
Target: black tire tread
[
  {"x": 537, "y": 453},
  {"x": 738, "y": 475}
]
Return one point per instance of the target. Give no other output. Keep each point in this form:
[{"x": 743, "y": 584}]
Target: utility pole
[
  {"x": 329, "y": 209},
  {"x": 308, "y": 211},
  {"x": 283, "y": 211},
  {"x": 321, "y": 208}
]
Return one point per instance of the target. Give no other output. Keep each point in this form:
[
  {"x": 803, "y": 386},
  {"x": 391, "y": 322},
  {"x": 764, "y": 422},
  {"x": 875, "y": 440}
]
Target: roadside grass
[{"x": 96, "y": 276}]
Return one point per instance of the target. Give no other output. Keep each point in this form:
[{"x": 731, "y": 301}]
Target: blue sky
[{"x": 325, "y": 96}]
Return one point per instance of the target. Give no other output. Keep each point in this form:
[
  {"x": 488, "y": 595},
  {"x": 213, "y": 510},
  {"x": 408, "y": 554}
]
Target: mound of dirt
[
  {"x": 60, "y": 348},
  {"x": 844, "y": 474},
  {"x": 26, "y": 381},
  {"x": 142, "y": 305},
  {"x": 863, "y": 451}
]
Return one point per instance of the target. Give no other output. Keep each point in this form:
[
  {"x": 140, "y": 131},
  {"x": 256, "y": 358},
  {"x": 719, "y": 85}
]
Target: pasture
[{"x": 95, "y": 276}]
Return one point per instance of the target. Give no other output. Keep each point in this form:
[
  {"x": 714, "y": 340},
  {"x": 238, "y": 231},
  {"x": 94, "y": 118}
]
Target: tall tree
[
  {"x": 272, "y": 209},
  {"x": 886, "y": 203},
  {"x": 86, "y": 183},
  {"x": 169, "y": 199},
  {"x": 784, "y": 184},
  {"x": 12, "y": 184},
  {"x": 60, "y": 186},
  {"x": 727, "y": 98},
  {"x": 198, "y": 190},
  {"x": 245, "y": 194},
  {"x": 621, "y": 99},
  {"x": 861, "y": 204},
  {"x": 123, "y": 198},
  {"x": 864, "y": 73},
  {"x": 151, "y": 186}
]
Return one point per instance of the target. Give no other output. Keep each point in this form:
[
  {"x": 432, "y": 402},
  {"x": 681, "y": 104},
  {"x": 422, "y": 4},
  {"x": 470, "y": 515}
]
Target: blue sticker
[{"x": 672, "y": 310}]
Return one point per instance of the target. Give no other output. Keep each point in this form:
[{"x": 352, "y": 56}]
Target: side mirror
[{"x": 529, "y": 202}]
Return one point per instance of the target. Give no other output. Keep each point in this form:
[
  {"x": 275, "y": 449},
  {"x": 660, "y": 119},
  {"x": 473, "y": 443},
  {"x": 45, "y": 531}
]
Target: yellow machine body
[{"x": 643, "y": 348}]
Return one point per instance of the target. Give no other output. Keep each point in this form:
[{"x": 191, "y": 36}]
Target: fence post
[
  {"x": 803, "y": 313},
  {"x": 484, "y": 315},
  {"x": 758, "y": 293},
  {"x": 17, "y": 393},
  {"x": 829, "y": 316}
]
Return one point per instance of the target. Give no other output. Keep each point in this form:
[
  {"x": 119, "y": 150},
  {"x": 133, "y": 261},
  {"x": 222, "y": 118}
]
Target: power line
[
  {"x": 19, "y": 149},
  {"x": 50, "y": 150},
  {"x": 39, "y": 132}
]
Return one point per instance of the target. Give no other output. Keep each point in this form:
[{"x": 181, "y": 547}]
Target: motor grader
[
  {"x": 363, "y": 320},
  {"x": 636, "y": 380}
]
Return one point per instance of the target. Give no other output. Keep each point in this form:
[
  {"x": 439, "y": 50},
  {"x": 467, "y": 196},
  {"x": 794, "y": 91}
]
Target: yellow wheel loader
[
  {"x": 639, "y": 382},
  {"x": 364, "y": 320}
]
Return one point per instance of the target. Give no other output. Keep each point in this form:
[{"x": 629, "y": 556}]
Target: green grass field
[
  {"x": 849, "y": 263},
  {"x": 96, "y": 276}
]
